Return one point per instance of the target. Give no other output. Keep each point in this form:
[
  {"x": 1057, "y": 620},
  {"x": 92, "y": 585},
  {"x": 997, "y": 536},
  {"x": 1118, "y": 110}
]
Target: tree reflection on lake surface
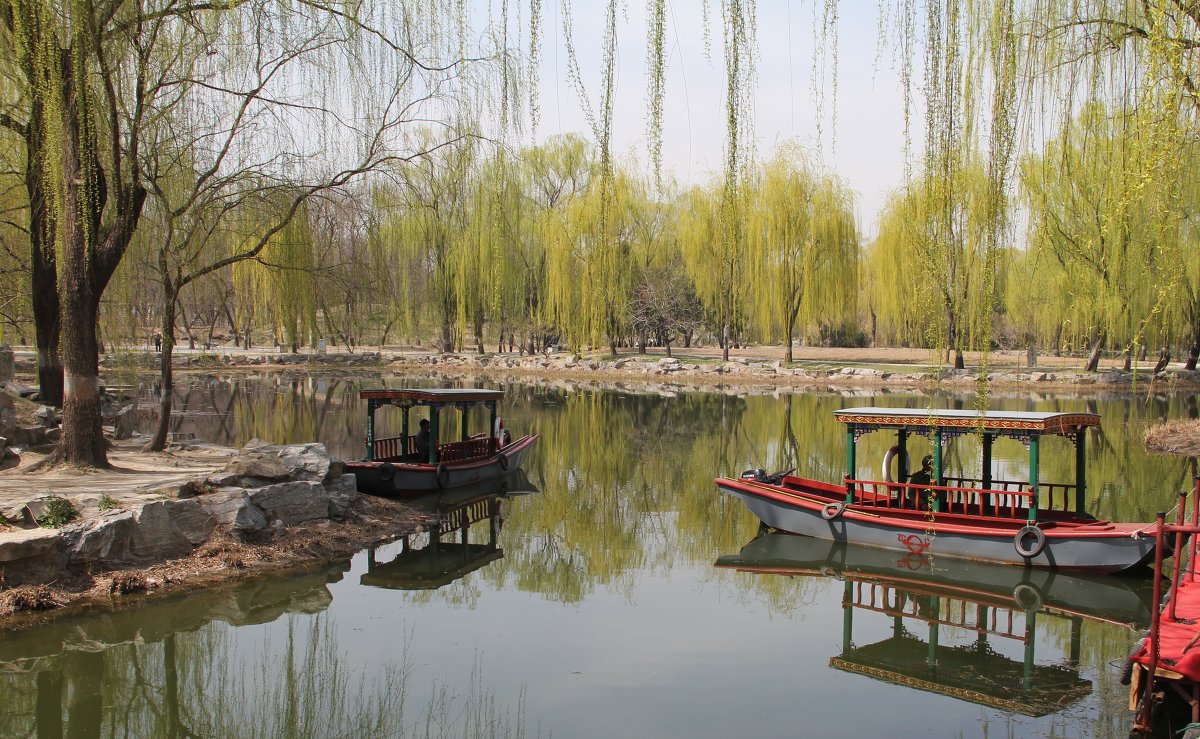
[{"x": 604, "y": 616}]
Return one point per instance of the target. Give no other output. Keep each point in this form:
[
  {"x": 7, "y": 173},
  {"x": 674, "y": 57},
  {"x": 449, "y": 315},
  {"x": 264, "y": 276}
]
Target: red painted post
[
  {"x": 1191, "y": 563},
  {"x": 1143, "y": 717},
  {"x": 1177, "y": 563}
]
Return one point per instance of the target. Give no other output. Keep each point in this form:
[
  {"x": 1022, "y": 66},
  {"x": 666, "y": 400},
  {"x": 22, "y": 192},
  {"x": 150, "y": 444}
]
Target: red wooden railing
[
  {"x": 457, "y": 451},
  {"x": 395, "y": 448},
  {"x": 952, "y": 499},
  {"x": 1184, "y": 567},
  {"x": 1056, "y": 496},
  {"x": 452, "y": 451}
]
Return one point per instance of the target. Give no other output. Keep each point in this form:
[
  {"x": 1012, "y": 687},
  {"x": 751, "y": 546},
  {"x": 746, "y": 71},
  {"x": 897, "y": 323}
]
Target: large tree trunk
[
  {"x": 725, "y": 341},
  {"x": 959, "y": 361},
  {"x": 1093, "y": 362},
  {"x": 82, "y": 435},
  {"x": 43, "y": 270},
  {"x": 92, "y": 249}
]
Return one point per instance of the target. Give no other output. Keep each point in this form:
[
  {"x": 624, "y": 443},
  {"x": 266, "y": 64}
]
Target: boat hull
[
  {"x": 407, "y": 478},
  {"x": 1111, "y": 548}
]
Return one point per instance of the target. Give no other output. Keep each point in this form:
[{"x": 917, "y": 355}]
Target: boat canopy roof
[
  {"x": 1003, "y": 423},
  {"x": 430, "y": 396}
]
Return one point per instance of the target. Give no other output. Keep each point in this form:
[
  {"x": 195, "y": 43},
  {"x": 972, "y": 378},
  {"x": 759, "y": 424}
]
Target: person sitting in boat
[
  {"x": 422, "y": 441},
  {"x": 923, "y": 476}
]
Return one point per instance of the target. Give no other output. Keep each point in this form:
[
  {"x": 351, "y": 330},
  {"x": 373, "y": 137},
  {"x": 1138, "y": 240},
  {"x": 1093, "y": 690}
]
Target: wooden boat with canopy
[
  {"x": 416, "y": 462},
  {"x": 1028, "y": 522}
]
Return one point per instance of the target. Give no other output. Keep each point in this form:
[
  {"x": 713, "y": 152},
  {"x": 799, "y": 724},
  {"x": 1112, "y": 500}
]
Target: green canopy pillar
[
  {"x": 492, "y": 418},
  {"x": 1033, "y": 477},
  {"x": 370, "y": 441},
  {"x": 985, "y": 500},
  {"x": 433, "y": 434},
  {"x": 404, "y": 433},
  {"x": 938, "y": 478},
  {"x": 463, "y": 408},
  {"x": 851, "y": 463},
  {"x": 1080, "y": 470}
]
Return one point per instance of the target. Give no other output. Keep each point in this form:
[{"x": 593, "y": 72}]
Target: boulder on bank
[{"x": 263, "y": 486}]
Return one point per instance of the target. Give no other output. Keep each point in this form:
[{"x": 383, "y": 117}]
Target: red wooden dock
[{"x": 1166, "y": 664}]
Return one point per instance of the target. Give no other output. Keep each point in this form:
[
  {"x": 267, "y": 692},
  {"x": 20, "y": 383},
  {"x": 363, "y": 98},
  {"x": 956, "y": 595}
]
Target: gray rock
[
  {"x": 103, "y": 539},
  {"x": 292, "y": 502},
  {"x": 257, "y": 465},
  {"x": 19, "y": 389},
  {"x": 310, "y": 462},
  {"x": 31, "y": 555},
  {"x": 27, "y": 435},
  {"x": 124, "y": 421},
  {"x": 170, "y": 528},
  {"x": 233, "y": 509}
]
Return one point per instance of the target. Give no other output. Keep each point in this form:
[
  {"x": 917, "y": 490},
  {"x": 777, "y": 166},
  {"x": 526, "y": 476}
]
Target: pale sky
[{"x": 868, "y": 152}]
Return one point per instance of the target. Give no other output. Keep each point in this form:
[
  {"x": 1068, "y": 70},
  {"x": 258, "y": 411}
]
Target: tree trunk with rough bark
[
  {"x": 43, "y": 271},
  {"x": 1093, "y": 362}
]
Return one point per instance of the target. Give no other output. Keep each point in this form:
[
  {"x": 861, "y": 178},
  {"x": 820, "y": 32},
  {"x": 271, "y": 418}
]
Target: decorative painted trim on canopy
[
  {"x": 431, "y": 396},
  {"x": 1007, "y": 423}
]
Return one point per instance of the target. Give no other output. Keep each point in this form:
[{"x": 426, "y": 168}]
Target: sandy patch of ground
[{"x": 134, "y": 475}]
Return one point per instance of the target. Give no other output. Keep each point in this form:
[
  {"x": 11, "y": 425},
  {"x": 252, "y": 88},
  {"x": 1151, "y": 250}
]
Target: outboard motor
[{"x": 758, "y": 474}]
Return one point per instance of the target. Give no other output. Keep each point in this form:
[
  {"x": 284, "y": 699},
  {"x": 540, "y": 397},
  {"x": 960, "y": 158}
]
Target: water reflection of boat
[
  {"x": 963, "y": 612},
  {"x": 1121, "y": 600},
  {"x": 455, "y": 512}
]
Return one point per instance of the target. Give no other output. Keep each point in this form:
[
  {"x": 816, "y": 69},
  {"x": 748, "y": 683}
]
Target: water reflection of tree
[{"x": 205, "y": 683}]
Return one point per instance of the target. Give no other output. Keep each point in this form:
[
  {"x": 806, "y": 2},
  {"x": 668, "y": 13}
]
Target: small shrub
[
  {"x": 108, "y": 503},
  {"x": 58, "y": 513}
]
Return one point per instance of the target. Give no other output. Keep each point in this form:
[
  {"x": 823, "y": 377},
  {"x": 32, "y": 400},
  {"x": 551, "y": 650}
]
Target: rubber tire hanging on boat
[
  {"x": 1032, "y": 550},
  {"x": 386, "y": 471},
  {"x": 504, "y": 462},
  {"x": 443, "y": 475},
  {"x": 831, "y": 511}
]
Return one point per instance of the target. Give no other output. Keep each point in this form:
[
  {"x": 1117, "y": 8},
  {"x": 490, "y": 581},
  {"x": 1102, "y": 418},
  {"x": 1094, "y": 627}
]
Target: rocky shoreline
[
  {"x": 700, "y": 372},
  {"x": 267, "y": 507}
]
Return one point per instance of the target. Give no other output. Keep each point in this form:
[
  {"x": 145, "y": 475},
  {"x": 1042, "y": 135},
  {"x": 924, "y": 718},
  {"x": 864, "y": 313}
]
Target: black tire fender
[
  {"x": 1029, "y": 541},
  {"x": 443, "y": 475},
  {"x": 830, "y": 511},
  {"x": 386, "y": 471}
]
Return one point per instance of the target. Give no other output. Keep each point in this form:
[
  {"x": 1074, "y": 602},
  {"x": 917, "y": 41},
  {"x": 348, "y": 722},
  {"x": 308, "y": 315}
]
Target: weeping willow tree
[
  {"x": 931, "y": 259},
  {"x": 588, "y": 271},
  {"x": 430, "y": 229},
  {"x": 291, "y": 87},
  {"x": 1087, "y": 214},
  {"x": 803, "y": 245},
  {"x": 554, "y": 174}
]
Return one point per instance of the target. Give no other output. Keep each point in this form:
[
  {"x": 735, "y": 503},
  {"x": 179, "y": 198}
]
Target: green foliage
[
  {"x": 108, "y": 503},
  {"x": 58, "y": 512}
]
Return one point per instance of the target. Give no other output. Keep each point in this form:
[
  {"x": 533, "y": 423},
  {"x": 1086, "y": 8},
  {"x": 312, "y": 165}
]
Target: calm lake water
[{"x": 626, "y": 597}]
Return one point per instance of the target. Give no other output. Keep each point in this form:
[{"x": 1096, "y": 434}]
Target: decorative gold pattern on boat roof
[
  {"x": 434, "y": 395},
  {"x": 967, "y": 420}
]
